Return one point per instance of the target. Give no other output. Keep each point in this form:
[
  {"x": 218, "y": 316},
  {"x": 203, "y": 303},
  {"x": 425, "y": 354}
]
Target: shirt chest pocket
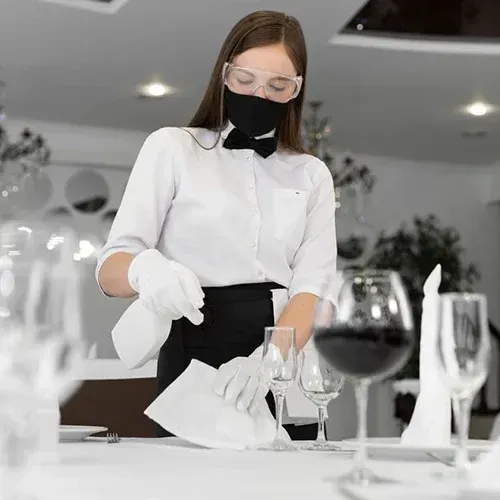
[{"x": 289, "y": 215}]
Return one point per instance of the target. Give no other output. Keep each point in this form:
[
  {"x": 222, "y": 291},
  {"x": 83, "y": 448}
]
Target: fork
[{"x": 112, "y": 437}]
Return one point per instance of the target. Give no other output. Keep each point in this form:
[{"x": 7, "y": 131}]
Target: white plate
[
  {"x": 74, "y": 433},
  {"x": 393, "y": 447}
]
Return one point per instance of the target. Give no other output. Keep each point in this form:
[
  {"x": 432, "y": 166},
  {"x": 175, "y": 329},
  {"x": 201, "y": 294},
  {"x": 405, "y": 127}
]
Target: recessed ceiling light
[
  {"x": 154, "y": 89},
  {"x": 478, "y": 108}
]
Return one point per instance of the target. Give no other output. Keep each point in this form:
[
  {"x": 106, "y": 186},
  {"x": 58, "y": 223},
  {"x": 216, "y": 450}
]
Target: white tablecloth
[{"x": 160, "y": 469}]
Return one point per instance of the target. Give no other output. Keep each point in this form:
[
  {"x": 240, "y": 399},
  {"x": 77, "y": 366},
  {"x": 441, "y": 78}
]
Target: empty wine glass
[
  {"x": 320, "y": 383},
  {"x": 279, "y": 366},
  {"x": 40, "y": 300},
  {"x": 464, "y": 355},
  {"x": 40, "y": 333},
  {"x": 367, "y": 338}
]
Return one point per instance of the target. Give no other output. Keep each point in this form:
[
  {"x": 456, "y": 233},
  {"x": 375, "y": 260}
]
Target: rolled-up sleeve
[
  {"x": 315, "y": 262},
  {"x": 146, "y": 201}
]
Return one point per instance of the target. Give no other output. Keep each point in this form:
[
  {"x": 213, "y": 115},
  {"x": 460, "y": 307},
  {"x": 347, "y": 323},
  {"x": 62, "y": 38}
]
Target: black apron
[{"x": 234, "y": 321}]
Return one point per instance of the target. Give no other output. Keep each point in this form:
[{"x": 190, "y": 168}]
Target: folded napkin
[
  {"x": 139, "y": 335},
  {"x": 431, "y": 420},
  {"x": 191, "y": 410}
]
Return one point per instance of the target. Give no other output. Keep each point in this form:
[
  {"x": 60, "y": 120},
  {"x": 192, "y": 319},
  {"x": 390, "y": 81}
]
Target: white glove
[
  {"x": 246, "y": 379},
  {"x": 166, "y": 287}
]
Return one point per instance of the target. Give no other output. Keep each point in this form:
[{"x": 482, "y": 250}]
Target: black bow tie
[{"x": 239, "y": 140}]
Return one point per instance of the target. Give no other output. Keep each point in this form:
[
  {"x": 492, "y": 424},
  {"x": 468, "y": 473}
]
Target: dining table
[{"x": 170, "y": 468}]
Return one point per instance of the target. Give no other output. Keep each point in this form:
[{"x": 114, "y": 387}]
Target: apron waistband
[{"x": 239, "y": 293}]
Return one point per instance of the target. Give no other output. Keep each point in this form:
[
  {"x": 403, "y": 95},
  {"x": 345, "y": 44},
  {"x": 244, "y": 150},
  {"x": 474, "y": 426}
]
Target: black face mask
[{"x": 255, "y": 116}]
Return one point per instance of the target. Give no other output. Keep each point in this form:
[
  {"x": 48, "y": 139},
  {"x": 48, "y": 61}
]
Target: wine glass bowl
[
  {"x": 463, "y": 342},
  {"x": 371, "y": 335},
  {"x": 317, "y": 380},
  {"x": 40, "y": 300}
]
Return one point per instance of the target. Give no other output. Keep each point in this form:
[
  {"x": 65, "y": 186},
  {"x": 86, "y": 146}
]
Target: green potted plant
[{"x": 414, "y": 251}]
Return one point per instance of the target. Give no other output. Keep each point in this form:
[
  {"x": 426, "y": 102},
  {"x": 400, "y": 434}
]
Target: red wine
[{"x": 375, "y": 352}]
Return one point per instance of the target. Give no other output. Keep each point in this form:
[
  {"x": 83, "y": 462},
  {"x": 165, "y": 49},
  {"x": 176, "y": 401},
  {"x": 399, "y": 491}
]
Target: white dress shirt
[{"x": 231, "y": 216}]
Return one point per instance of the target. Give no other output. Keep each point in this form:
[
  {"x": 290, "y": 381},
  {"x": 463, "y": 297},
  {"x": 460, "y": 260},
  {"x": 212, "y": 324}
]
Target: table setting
[{"x": 363, "y": 339}]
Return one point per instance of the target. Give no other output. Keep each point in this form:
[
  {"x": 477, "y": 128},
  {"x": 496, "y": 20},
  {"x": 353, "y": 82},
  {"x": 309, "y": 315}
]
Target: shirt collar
[{"x": 225, "y": 131}]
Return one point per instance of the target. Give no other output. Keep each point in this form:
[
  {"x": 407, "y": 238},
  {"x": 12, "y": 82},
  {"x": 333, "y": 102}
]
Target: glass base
[
  {"x": 363, "y": 477},
  {"x": 453, "y": 474},
  {"x": 322, "y": 446},
  {"x": 278, "y": 445}
]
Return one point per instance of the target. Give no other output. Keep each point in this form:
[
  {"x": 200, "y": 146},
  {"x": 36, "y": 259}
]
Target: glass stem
[
  {"x": 321, "y": 438},
  {"x": 279, "y": 399},
  {"x": 462, "y": 409},
  {"x": 361, "y": 391}
]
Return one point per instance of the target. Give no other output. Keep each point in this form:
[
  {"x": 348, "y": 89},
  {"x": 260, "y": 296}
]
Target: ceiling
[{"x": 70, "y": 65}]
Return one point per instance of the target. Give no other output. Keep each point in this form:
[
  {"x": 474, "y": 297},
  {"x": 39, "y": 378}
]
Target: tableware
[{"x": 76, "y": 433}]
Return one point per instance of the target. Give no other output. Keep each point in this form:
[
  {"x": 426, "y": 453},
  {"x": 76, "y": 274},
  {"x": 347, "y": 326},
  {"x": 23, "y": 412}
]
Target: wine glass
[
  {"x": 320, "y": 383},
  {"x": 367, "y": 338},
  {"x": 40, "y": 301},
  {"x": 40, "y": 336},
  {"x": 464, "y": 355},
  {"x": 279, "y": 367}
]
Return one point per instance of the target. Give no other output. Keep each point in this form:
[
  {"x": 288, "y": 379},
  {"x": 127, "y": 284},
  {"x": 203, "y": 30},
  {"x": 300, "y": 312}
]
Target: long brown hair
[{"x": 258, "y": 29}]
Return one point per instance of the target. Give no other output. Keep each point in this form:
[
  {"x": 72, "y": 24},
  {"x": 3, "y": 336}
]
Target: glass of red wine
[{"x": 367, "y": 336}]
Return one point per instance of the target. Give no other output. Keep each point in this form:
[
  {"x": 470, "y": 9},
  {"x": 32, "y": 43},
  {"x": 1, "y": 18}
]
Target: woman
[{"x": 218, "y": 215}]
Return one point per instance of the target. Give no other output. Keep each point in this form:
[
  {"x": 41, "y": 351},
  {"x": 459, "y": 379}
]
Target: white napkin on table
[
  {"x": 191, "y": 410},
  {"x": 139, "y": 335},
  {"x": 431, "y": 420}
]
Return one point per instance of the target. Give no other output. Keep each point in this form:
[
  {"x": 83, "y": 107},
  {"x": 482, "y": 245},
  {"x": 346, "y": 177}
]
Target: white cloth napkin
[
  {"x": 191, "y": 410},
  {"x": 431, "y": 420},
  {"x": 139, "y": 335}
]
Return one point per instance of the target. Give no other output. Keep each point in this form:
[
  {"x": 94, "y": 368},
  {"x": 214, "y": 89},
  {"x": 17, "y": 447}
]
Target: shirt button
[
  {"x": 252, "y": 245},
  {"x": 255, "y": 212}
]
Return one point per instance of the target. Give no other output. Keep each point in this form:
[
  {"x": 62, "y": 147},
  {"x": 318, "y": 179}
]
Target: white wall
[
  {"x": 491, "y": 184},
  {"x": 72, "y": 143},
  {"x": 455, "y": 195},
  {"x": 404, "y": 188}
]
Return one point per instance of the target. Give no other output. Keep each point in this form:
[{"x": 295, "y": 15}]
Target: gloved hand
[
  {"x": 166, "y": 287},
  {"x": 246, "y": 379}
]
